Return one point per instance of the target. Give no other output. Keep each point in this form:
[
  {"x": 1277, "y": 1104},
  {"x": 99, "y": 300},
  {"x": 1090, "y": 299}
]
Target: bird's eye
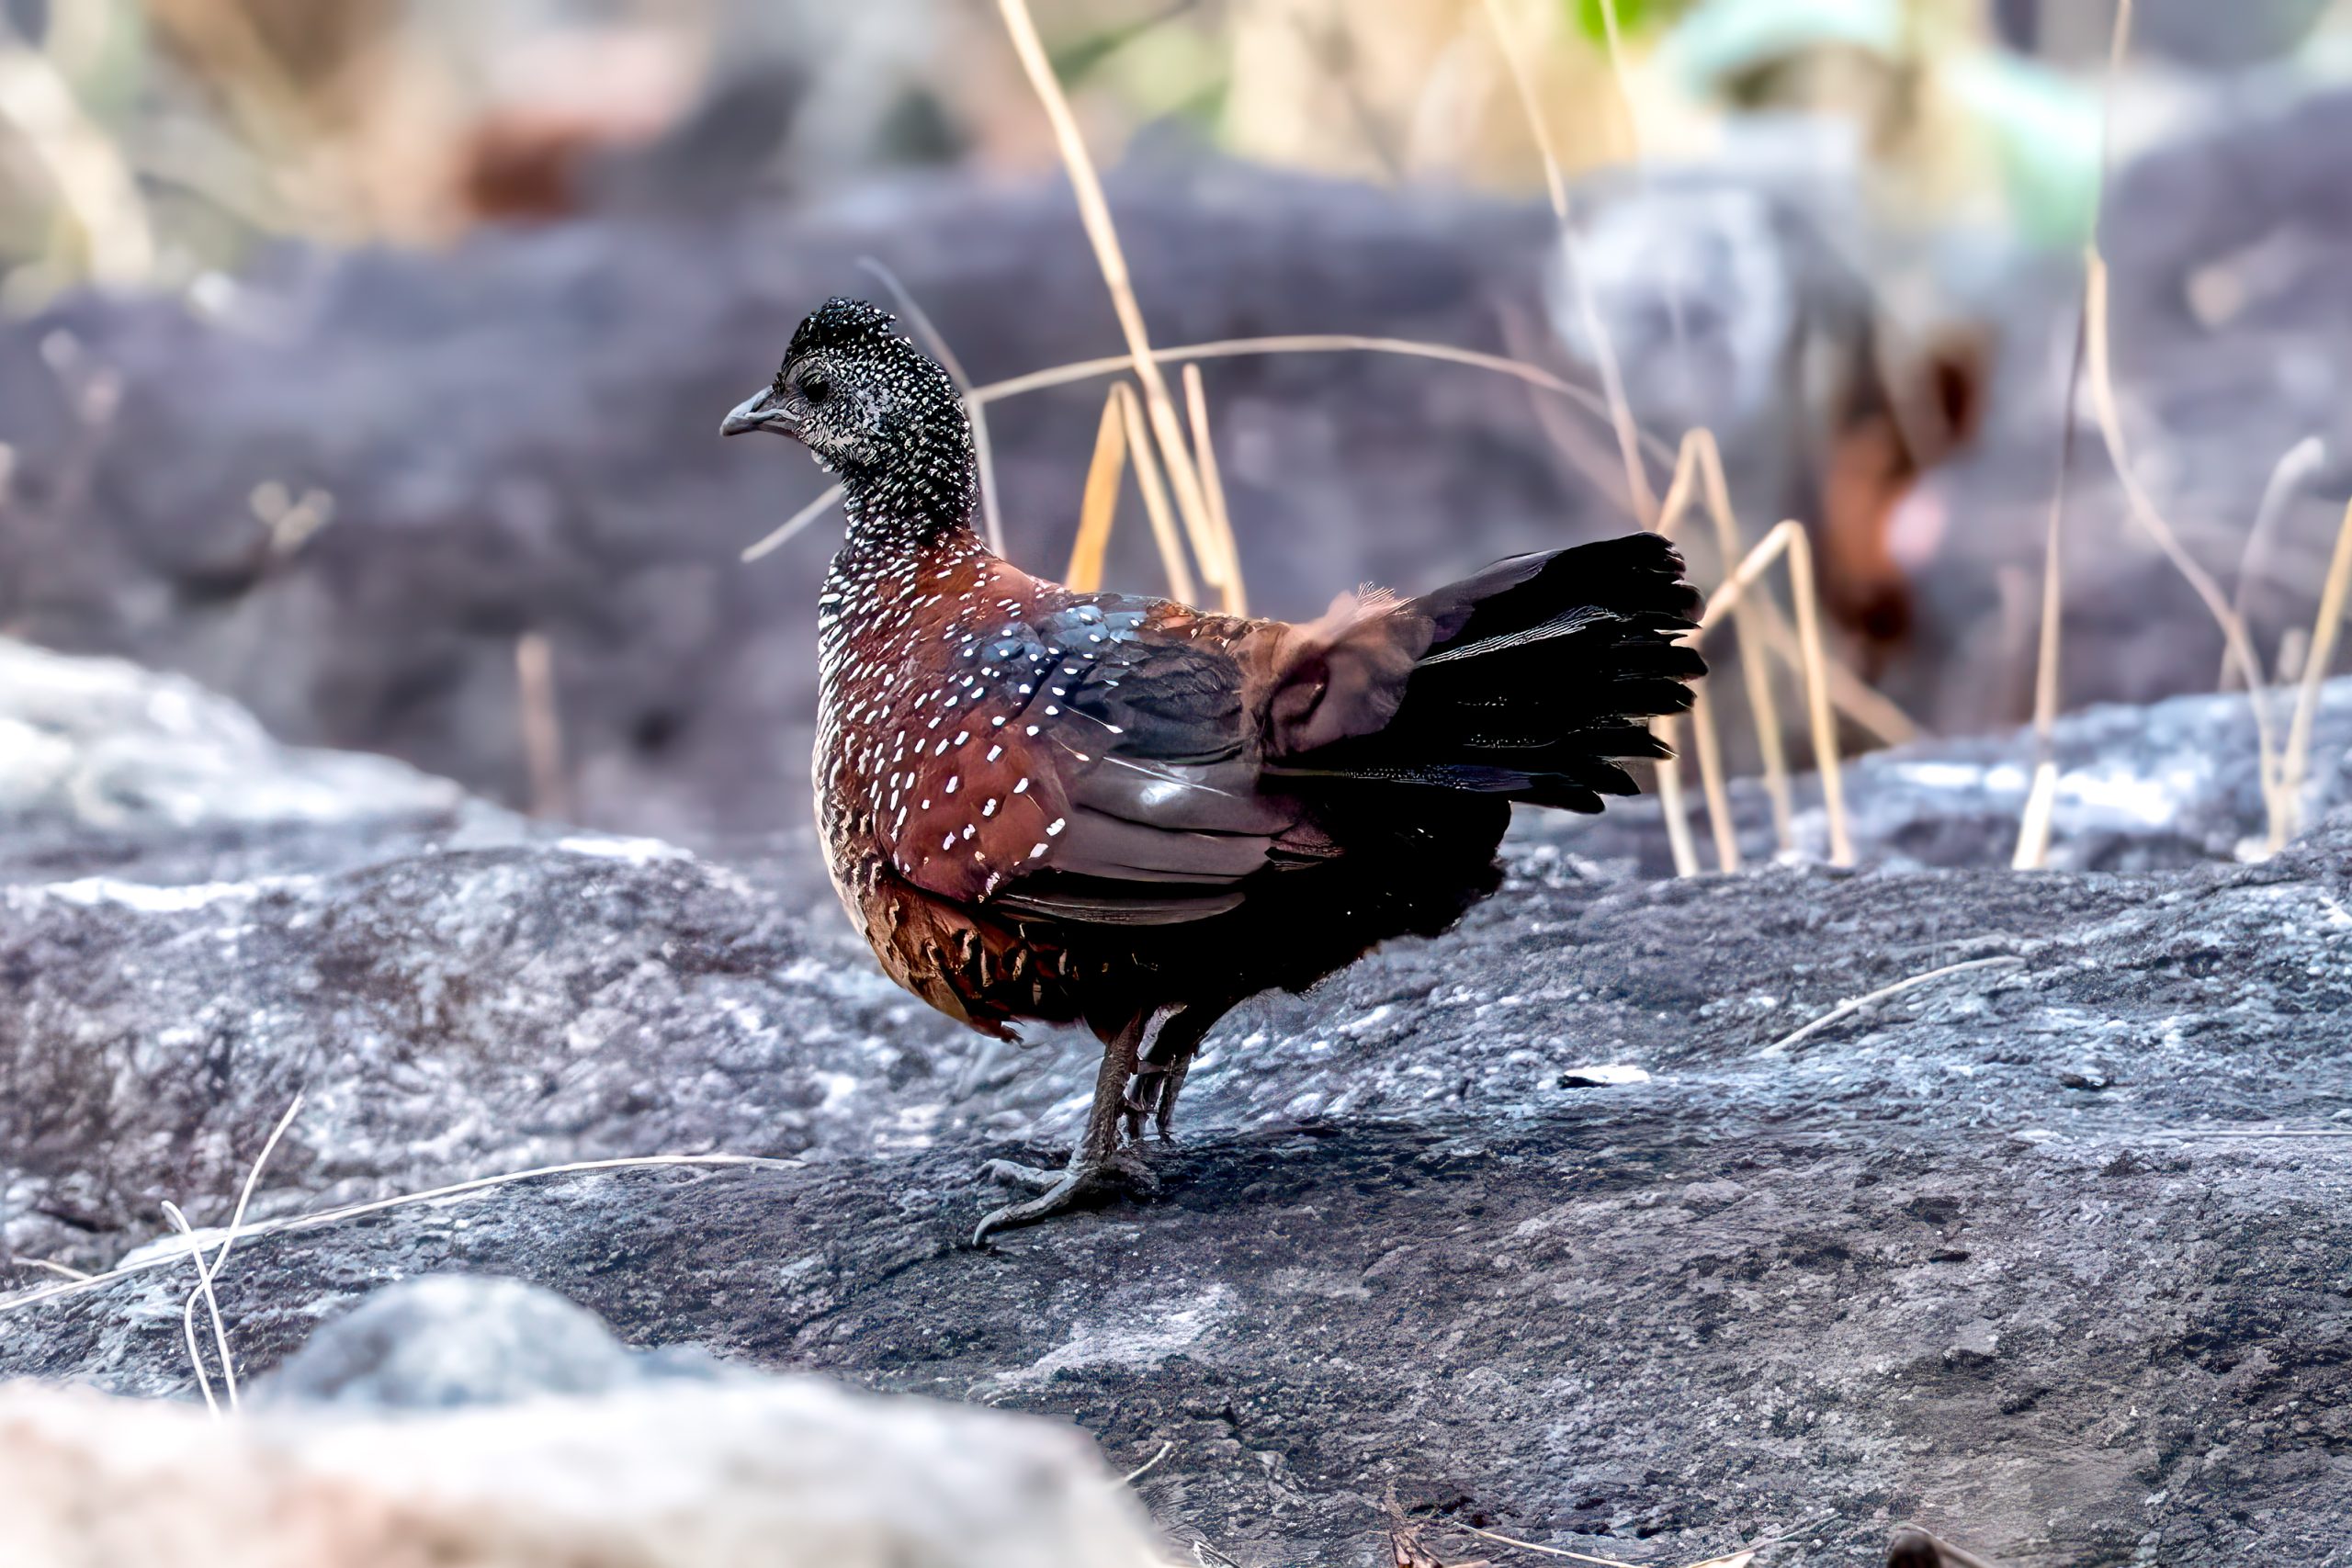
[{"x": 815, "y": 389}]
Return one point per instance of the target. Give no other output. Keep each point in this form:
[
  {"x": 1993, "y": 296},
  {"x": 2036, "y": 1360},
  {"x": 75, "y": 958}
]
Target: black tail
[{"x": 1543, "y": 668}]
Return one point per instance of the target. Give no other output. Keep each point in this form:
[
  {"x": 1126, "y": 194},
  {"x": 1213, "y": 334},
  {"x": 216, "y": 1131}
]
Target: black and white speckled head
[{"x": 877, "y": 411}]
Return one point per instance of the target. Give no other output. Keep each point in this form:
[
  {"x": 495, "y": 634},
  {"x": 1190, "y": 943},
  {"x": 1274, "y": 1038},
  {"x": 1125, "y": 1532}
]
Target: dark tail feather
[{"x": 1542, "y": 669}]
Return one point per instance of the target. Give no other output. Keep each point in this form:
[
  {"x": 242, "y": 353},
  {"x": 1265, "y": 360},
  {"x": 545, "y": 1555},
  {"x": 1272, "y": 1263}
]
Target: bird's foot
[
  {"x": 1152, "y": 1093},
  {"x": 1060, "y": 1189}
]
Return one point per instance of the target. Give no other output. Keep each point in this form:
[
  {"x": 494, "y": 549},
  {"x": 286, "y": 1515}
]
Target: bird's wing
[{"x": 1110, "y": 773}]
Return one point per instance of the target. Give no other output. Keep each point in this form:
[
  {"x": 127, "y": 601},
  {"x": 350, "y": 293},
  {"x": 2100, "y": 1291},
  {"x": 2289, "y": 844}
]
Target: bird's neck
[{"x": 922, "y": 495}]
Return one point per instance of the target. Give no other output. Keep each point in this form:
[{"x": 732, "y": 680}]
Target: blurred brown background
[{"x": 364, "y": 358}]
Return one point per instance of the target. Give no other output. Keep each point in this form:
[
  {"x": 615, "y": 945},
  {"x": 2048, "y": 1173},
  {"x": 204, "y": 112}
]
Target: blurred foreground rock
[
  {"x": 1600, "y": 1221},
  {"x": 750, "y": 1471}
]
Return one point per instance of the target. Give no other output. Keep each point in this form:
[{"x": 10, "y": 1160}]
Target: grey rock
[
  {"x": 1537, "y": 1224},
  {"x": 2140, "y": 788},
  {"x": 448, "y": 1340},
  {"x": 102, "y": 746}
]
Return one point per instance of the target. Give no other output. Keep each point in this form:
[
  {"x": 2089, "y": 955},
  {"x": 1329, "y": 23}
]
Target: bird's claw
[{"x": 1058, "y": 1190}]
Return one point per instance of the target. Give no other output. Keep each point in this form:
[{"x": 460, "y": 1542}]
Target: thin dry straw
[
  {"x": 1789, "y": 539},
  {"x": 2144, "y": 512},
  {"x": 2315, "y": 663},
  {"x": 1148, "y": 1466},
  {"x": 774, "y": 539},
  {"x": 2033, "y": 831},
  {"x": 1236, "y": 348},
  {"x": 1318, "y": 343},
  {"x": 1702, "y": 460},
  {"x": 2293, "y": 470},
  {"x": 2032, "y": 851},
  {"x": 1227, "y": 575},
  {"x": 1803, "y": 587},
  {"x": 1739, "y": 1558},
  {"x": 1853, "y": 1005},
  {"x": 1709, "y": 747},
  {"x": 983, "y": 453},
  {"x": 84, "y": 166},
  {"x": 293, "y": 1222},
  {"x": 1095, "y": 212},
  {"x": 187, "y": 1318},
  {"x": 1155, "y": 495},
  {"x": 206, "y": 1272},
  {"x": 1672, "y": 804},
  {"x": 1617, "y": 73},
  {"x": 542, "y": 725},
  {"x": 1099, "y": 507},
  {"x": 1604, "y": 352}
]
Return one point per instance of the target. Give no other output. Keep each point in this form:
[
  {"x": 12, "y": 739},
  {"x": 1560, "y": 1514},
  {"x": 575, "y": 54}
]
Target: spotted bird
[{"x": 1123, "y": 812}]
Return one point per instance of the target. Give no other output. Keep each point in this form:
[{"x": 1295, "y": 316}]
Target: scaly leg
[
  {"x": 1161, "y": 1077},
  {"x": 1096, "y": 1156}
]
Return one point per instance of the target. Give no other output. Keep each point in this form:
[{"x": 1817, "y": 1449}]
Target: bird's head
[{"x": 857, "y": 393}]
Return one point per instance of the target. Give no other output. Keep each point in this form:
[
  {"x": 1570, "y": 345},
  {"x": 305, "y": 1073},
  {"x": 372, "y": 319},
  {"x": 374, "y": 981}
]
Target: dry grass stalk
[
  {"x": 1706, "y": 742},
  {"x": 1099, "y": 508},
  {"x": 82, "y": 162},
  {"x": 542, "y": 725},
  {"x": 1095, "y": 212},
  {"x": 2294, "y": 469},
  {"x": 208, "y": 1271},
  {"x": 46, "y": 1293},
  {"x": 1853, "y": 1005},
  {"x": 1670, "y": 801},
  {"x": 1789, "y": 539},
  {"x": 1739, "y": 1558},
  {"x": 1616, "y": 45},
  {"x": 2299, "y": 734},
  {"x": 2033, "y": 853},
  {"x": 1604, "y": 352},
  {"x": 2034, "y": 828},
  {"x": 1236, "y": 348},
  {"x": 1318, "y": 343},
  {"x": 1816, "y": 693},
  {"x": 775, "y": 539},
  {"x": 1148, "y": 1466},
  {"x": 2144, "y": 512},
  {"x": 1672, "y": 805},
  {"x": 1702, "y": 461},
  {"x": 1227, "y": 572},
  {"x": 983, "y": 451},
  {"x": 188, "y": 1319},
  {"x": 1735, "y": 584},
  {"x": 1164, "y": 532}
]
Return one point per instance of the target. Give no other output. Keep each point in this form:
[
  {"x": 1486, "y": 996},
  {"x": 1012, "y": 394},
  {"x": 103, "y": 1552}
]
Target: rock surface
[
  {"x": 1548, "y": 1225},
  {"x": 2140, "y": 788}
]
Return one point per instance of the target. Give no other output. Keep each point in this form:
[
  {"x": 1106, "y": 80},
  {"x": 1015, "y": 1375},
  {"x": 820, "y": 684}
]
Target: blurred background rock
[{"x": 360, "y": 358}]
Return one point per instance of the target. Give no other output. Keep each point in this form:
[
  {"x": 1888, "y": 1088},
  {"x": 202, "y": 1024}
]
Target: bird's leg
[
  {"x": 1171, "y": 1083},
  {"x": 1165, "y": 1064},
  {"x": 1151, "y": 1068},
  {"x": 1094, "y": 1158}
]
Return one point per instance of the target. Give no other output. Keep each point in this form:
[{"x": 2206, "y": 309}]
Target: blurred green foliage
[{"x": 1633, "y": 16}]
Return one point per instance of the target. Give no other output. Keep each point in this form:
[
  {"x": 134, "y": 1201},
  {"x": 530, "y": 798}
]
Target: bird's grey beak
[{"x": 758, "y": 412}]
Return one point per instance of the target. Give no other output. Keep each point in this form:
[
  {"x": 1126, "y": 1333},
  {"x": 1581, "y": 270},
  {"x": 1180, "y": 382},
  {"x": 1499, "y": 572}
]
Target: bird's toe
[{"x": 1012, "y": 1173}]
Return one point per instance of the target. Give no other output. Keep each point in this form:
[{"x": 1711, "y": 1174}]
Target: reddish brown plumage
[{"x": 1038, "y": 804}]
